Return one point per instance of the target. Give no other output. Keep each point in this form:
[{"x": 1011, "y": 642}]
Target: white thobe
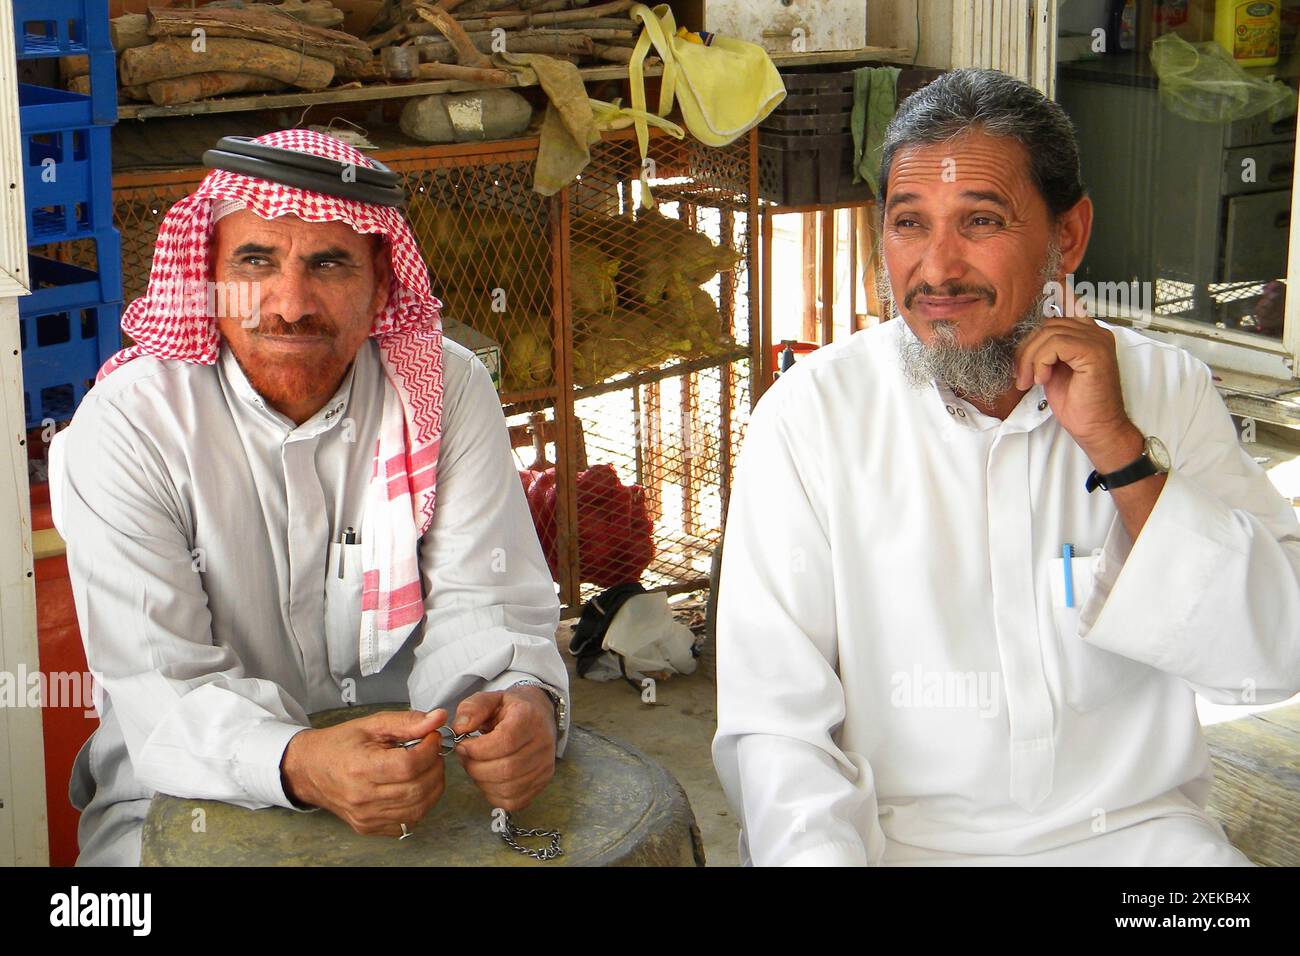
[
  {"x": 219, "y": 608},
  {"x": 900, "y": 679}
]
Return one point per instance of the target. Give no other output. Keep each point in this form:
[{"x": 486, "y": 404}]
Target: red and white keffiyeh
[{"x": 172, "y": 321}]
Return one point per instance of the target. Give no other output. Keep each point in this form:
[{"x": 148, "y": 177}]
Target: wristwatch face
[{"x": 1157, "y": 452}]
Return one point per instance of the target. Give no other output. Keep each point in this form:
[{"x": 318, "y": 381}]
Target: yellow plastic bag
[{"x": 724, "y": 88}]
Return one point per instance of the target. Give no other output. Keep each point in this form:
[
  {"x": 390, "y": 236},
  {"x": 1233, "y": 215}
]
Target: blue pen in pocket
[{"x": 1067, "y": 559}]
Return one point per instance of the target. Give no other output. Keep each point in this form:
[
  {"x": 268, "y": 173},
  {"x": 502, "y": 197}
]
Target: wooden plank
[
  {"x": 387, "y": 91},
  {"x": 1256, "y": 793},
  {"x": 347, "y": 94}
]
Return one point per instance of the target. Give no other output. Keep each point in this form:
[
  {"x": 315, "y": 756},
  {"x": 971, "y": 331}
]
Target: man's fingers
[
  {"x": 392, "y": 805},
  {"x": 1045, "y": 348},
  {"x": 513, "y": 732},
  {"x": 477, "y": 710},
  {"x": 400, "y": 726},
  {"x": 406, "y": 793}
]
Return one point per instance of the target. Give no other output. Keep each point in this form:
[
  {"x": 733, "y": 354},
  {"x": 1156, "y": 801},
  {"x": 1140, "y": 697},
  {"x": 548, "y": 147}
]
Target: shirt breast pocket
[
  {"x": 1090, "y": 676},
  {"x": 343, "y": 610}
]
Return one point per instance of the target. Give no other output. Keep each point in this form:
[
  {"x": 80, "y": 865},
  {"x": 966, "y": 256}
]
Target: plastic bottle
[{"x": 1250, "y": 30}]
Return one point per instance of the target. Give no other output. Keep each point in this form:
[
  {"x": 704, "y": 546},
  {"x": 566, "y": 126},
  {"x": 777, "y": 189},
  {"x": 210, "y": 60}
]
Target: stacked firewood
[
  {"x": 451, "y": 34},
  {"x": 175, "y": 55}
]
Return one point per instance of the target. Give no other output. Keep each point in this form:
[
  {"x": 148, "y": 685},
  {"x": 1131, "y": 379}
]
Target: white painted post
[{"x": 24, "y": 835}]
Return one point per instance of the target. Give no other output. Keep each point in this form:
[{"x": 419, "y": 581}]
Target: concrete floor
[{"x": 677, "y": 730}]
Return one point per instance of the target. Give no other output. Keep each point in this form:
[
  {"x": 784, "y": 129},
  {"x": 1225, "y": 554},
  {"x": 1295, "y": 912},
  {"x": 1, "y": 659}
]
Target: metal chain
[
  {"x": 549, "y": 853},
  {"x": 508, "y": 833}
]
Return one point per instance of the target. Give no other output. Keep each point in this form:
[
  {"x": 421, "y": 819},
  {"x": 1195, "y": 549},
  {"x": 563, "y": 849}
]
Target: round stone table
[{"x": 613, "y": 806}]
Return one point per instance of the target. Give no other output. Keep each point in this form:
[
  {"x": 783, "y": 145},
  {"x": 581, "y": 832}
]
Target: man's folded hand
[
  {"x": 360, "y": 772},
  {"x": 514, "y": 759}
]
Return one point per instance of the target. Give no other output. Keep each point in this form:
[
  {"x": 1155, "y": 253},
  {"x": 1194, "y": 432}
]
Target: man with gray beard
[
  {"x": 1047, "y": 505},
  {"x": 981, "y": 371}
]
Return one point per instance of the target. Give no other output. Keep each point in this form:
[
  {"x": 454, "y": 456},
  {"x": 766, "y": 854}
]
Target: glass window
[{"x": 1191, "y": 184}]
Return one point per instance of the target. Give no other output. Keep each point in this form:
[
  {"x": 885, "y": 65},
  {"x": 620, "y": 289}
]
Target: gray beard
[{"x": 982, "y": 373}]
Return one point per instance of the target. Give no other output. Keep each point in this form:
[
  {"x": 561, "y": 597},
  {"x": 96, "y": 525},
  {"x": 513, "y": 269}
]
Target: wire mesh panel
[
  {"x": 661, "y": 356},
  {"x": 486, "y": 237}
]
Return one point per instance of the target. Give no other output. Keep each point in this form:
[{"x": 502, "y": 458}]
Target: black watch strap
[{"x": 1143, "y": 467}]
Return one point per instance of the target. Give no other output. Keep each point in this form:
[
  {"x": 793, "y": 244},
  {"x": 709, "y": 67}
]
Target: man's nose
[
  {"x": 290, "y": 296},
  {"x": 942, "y": 260}
]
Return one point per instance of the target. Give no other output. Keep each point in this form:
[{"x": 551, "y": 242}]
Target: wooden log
[
  {"x": 454, "y": 71},
  {"x": 70, "y": 66},
  {"x": 524, "y": 20},
  {"x": 129, "y": 30},
  {"x": 466, "y": 53},
  {"x": 548, "y": 6},
  {"x": 542, "y": 18},
  {"x": 555, "y": 43},
  {"x": 200, "y": 86},
  {"x": 388, "y": 37},
  {"x": 318, "y": 13},
  {"x": 172, "y": 57},
  {"x": 274, "y": 28},
  {"x": 476, "y": 7},
  {"x": 613, "y": 54}
]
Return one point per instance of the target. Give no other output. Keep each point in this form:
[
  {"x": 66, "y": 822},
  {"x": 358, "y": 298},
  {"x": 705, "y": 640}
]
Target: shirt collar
[
  {"x": 1030, "y": 412},
  {"x": 324, "y": 419}
]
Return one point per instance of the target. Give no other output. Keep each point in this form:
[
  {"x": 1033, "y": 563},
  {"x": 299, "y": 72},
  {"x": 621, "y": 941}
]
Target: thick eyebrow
[
  {"x": 253, "y": 248},
  {"x": 979, "y": 195},
  {"x": 259, "y": 249},
  {"x": 986, "y": 196}
]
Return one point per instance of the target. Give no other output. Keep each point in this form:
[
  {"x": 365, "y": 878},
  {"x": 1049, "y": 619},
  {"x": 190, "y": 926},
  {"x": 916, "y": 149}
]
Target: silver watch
[{"x": 557, "y": 699}]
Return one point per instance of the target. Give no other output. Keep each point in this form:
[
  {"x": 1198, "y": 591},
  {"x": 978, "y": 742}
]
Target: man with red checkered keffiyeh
[{"x": 248, "y": 499}]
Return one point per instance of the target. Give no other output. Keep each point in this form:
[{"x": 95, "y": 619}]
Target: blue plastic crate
[
  {"x": 60, "y": 28},
  {"x": 68, "y": 183},
  {"x": 62, "y": 285},
  {"x": 62, "y": 351},
  {"x": 51, "y": 28},
  {"x": 46, "y": 107}
]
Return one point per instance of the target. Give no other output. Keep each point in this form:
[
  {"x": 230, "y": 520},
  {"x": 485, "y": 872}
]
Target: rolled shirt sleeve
[
  {"x": 193, "y": 723},
  {"x": 491, "y": 609},
  {"x": 1210, "y": 590},
  {"x": 780, "y": 699}
]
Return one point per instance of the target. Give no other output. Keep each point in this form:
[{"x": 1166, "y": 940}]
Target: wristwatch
[
  {"x": 557, "y": 700},
  {"x": 1154, "y": 460}
]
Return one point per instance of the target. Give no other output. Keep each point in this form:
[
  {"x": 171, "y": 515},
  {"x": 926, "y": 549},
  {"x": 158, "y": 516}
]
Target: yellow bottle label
[{"x": 1255, "y": 31}]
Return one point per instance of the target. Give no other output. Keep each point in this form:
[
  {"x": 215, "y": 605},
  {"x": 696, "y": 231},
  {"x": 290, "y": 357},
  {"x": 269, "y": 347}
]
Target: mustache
[
  {"x": 306, "y": 326},
  {"x": 951, "y": 290}
]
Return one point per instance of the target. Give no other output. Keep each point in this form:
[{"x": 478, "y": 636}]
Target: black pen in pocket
[{"x": 347, "y": 537}]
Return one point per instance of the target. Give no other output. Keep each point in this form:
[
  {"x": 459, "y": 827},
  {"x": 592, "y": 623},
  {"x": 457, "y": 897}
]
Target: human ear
[{"x": 1073, "y": 229}]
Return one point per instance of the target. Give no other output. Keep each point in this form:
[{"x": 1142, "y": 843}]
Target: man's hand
[
  {"x": 1074, "y": 360},
  {"x": 359, "y": 772},
  {"x": 514, "y": 759}
]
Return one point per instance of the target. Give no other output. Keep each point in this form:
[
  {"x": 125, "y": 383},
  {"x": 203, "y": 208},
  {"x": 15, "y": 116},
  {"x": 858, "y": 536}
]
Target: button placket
[
  {"x": 1029, "y": 706},
  {"x": 308, "y": 550}
]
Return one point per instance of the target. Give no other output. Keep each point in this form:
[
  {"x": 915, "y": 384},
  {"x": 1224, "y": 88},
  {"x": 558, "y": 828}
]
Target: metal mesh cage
[{"x": 625, "y": 338}]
